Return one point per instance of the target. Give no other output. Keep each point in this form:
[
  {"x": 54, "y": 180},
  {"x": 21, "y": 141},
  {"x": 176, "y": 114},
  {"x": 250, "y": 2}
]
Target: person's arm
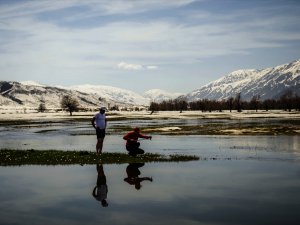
[
  {"x": 126, "y": 137},
  {"x": 94, "y": 191},
  {"x": 145, "y": 136},
  {"x": 93, "y": 122},
  {"x": 145, "y": 178}
]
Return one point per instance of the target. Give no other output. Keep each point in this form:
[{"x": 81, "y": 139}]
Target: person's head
[
  {"x": 102, "y": 110},
  {"x": 138, "y": 186},
  {"x": 136, "y": 130},
  {"x": 104, "y": 203}
]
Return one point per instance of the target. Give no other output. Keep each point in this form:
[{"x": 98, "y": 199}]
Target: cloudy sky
[{"x": 174, "y": 45}]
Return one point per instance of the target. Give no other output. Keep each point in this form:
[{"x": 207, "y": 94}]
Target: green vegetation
[{"x": 54, "y": 157}]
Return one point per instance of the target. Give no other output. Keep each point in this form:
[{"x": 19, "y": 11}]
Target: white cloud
[
  {"x": 128, "y": 66},
  {"x": 33, "y": 45},
  {"x": 95, "y": 7},
  {"x": 151, "y": 67},
  {"x": 129, "y": 7}
]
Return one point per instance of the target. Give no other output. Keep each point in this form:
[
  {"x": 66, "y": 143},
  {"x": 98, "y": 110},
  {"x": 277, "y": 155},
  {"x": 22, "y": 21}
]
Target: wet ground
[{"x": 239, "y": 179}]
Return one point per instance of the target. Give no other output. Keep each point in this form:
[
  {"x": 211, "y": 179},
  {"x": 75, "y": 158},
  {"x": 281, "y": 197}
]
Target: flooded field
[
  {"x": 239, "y": 179},
  {"x": 203, "y": 192}
]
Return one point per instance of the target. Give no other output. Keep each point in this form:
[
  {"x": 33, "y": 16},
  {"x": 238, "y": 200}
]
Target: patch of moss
[{"x": 55, "y": 157}]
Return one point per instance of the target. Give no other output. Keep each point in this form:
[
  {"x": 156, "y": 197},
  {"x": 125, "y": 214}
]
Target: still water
[
  {"x": 238, "y": 180},
  {"x": 203, "y": 192}
]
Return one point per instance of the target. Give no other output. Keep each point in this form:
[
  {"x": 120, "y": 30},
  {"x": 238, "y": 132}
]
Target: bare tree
[
  {"x": 70, "y": 104},
  {"x": 287, "y": 100},
  {"x": 230, "y": 103},
  {"x": 238, "y": 102},
  {"x": 42, "y": 107},
  {"x": 254, "y": 103}
]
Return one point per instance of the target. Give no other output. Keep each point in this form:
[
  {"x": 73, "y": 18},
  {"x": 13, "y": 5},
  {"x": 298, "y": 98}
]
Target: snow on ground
[
  {"x": 32, "y": 114},
  {"x": 163, "y": 129}
]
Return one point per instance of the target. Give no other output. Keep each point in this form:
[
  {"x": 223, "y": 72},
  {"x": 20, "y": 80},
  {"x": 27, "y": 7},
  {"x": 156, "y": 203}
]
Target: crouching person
[{"x": 132, "y": 144}]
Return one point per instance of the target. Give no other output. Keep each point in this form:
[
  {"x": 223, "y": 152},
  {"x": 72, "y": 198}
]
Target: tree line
[
  {"x": 67, "y": 103},
  {"x": 288, "y": 102}
]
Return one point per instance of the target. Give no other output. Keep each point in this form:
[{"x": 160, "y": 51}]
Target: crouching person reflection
[
  {"x": 100, "y": 190},
  {"x": 133, "y": 173}
]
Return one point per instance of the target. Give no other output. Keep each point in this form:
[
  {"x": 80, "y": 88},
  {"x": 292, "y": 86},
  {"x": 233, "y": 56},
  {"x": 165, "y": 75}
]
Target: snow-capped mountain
[
  {"x": 31, "y": 94},
  {"x": 16, "y": 94},
  {"x": 268, "y": 83},
  {"x": 32, "y": 83},
  {"x": 112, "y": 94},
  {"x": 157, "y": 95}
]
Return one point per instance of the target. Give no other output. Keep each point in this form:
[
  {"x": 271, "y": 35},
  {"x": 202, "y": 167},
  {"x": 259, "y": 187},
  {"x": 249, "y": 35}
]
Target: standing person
[
  {"x": 99, "y": 122},
  {"x": 100, "y": 190},
  {"x": 132, "y": 144}
]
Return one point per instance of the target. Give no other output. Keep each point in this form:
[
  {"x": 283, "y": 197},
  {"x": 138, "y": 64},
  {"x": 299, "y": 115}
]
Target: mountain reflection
[
  {"x": 133, "y": 173},
  {"x": 100, "y": 190}
]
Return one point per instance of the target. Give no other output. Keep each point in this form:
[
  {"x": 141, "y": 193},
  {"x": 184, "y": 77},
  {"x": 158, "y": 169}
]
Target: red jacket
[{"x": 132, "y": 137}]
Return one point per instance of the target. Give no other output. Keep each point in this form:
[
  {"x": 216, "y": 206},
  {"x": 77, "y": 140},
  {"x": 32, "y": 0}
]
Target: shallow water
[
  {"x": 238, "y": 180},
  {"x": 202, "y": 192},
  {"x": 81, "y": 136}
]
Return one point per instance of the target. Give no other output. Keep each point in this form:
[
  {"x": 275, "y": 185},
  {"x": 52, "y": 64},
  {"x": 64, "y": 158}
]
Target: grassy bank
[{"x": 54, "y": 157}]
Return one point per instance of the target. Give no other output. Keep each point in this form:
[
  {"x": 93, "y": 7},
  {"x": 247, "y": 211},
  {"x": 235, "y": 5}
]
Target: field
[
  {"x": 199, "y": 168},
  {"x": 173, "y": 123}
]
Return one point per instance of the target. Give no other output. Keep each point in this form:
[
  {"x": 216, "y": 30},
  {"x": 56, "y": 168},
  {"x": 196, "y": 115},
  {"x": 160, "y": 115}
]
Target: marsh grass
[{"x": 55, "y": 157}]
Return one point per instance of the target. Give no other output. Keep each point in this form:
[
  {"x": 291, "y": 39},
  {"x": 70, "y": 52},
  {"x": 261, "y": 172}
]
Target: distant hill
[
  {"x": 268, "y": 83},
  {"x": 157, "y": 95},
  {"x": 114, "y": 95},
  {"x": 31, "y": 94}
]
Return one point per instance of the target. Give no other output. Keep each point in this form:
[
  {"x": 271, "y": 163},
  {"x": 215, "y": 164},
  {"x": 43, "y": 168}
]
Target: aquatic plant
[{"x": 54, "y": 157}]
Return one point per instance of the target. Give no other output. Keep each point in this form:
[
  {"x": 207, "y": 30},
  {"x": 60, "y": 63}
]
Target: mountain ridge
[
  {"x": 31, "y": 94},
  {"x": 269, "y": 83}
]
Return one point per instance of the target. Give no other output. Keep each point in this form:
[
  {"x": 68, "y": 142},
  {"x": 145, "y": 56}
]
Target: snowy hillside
[
  {"x": 15, "y": 94},
  {"x": 112, "y": 94},
  {"x": 32, "y": 83},
  {"x": 157, "y": 95},
  {"x": 268, "y": 83},
  {"x": 31, "y": 94}
]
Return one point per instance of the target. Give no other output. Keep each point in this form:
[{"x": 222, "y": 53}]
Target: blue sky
[{"x": 176, "y": 46}]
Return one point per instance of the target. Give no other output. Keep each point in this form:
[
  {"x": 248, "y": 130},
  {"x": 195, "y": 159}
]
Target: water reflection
[
  {"x": 100, "y": 190},
  {"x": 133, "y": 174},
  {"x": 244, "y": 192}
]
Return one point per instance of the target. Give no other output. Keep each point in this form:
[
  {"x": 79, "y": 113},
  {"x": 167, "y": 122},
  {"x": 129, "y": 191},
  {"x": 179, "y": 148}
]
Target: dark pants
[
  {"x": 100, "y": 133},
  {"x": 133, "y": 149}
]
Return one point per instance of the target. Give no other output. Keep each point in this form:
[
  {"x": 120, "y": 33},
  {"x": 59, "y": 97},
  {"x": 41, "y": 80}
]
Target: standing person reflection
[
  {"x": 100, "y": 190},
  {"x": 133, "y": 173}
]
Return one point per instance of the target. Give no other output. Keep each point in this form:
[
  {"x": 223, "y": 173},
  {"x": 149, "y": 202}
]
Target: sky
[{"x": 173, "y": 45}]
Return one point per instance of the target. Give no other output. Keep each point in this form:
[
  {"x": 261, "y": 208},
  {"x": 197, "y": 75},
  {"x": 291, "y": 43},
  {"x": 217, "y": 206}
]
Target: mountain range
[
  {"x": 268, "y": 83},
  {"x": 31, "y": 94}
]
